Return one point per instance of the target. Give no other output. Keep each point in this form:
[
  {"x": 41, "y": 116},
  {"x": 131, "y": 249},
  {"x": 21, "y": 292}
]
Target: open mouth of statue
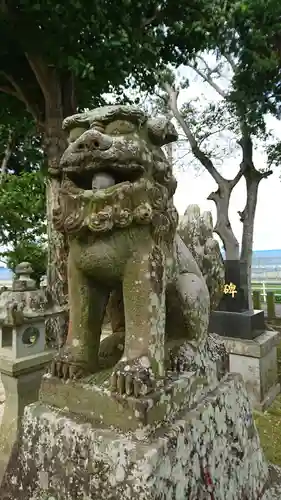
[{"x": 104, "y": 178}]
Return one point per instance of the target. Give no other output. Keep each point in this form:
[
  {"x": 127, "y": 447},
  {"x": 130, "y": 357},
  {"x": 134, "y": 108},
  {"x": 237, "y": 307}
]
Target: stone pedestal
[
  {"x": 245, "y": 324},
  {"x": 209, "y": 451},
  {"x": 256, "y": 361},
  {"x": 21, "y": 382}
]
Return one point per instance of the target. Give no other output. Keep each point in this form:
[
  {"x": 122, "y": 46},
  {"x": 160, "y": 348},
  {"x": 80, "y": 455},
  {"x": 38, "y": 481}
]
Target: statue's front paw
[
  {"x": 65, "y": 366},
  {"x": 181, "y": 358},
  {"x": 133, "y": 378}
]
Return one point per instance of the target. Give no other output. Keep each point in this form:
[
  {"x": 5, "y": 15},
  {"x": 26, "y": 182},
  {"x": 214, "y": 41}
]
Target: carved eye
[
  {"x": 120, "y": 127},
  {"x": 75, "y": 133}
]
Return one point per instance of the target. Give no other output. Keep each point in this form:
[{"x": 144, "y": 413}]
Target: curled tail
[{"x": 196, "y": 231}]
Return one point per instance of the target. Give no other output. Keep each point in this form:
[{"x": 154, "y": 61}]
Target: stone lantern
[
  {"x": 23, "y": 352},
  {"x": 23, "y": 312}
]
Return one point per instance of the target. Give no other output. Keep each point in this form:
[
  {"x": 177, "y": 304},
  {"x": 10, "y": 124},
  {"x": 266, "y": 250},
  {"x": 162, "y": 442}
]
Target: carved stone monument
[
  {"x": 233, "y": 317},
  {"x": 150, "y": 412}
]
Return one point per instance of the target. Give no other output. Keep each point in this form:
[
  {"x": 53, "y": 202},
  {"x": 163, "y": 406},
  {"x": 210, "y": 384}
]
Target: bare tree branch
[
  {"x": 155, "y": 15},
  {"x": 39, "y": 71},
  {"x": 231, "y": 62},
  {"x": 9, "y": 91},
  {"x": 210, "y": 71},
  {"x": 238, "y": 176},
  {"x": 198, "y": 153},
  {"x": 17, "y": 91},
  {"x": 209, "y": 134},
  {"x": 45, "y": 75},
  {"x": 7, "y": 154},
  {"x": 207, "y": 77}
]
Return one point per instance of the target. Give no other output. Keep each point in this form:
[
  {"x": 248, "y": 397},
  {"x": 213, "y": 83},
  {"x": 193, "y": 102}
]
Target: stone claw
[
  {"x": 64, "y": 367},
  {"x": 131, "y": 379}
]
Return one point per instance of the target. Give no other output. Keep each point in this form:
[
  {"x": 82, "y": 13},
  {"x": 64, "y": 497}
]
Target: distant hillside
[
  {"x": 267, "y": 253},
  {"x": 264, "y": 254}
]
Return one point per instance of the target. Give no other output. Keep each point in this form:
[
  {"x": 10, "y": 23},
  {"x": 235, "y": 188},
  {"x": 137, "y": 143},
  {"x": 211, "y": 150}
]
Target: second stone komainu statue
[{"x": 116, "y": 206}]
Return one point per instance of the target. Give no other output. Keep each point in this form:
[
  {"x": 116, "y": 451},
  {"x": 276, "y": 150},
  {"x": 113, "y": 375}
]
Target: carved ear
[{"x": 161, "y": 131}]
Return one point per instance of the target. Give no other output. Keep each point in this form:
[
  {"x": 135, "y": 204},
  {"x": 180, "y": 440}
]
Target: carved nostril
[{"x": 93, "y": 143}]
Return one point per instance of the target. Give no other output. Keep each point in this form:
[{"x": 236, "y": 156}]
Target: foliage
[
  {"x": 28, "y": 251},
  {"x": 274, "y": 154},
  {"x": 258, "y": 26},
  {"x": 22, "y": 220},
  {"x": 94, "y": 47},
  {"x": 26, "y": 154},
  {"x": 249, "y": 31},
  {"x": 59, "y": 57}
]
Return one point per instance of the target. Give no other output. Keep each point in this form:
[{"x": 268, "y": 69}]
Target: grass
[{"x": 269, "y": 425}]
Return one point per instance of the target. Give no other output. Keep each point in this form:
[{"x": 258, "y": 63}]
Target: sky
[{"x": 194, "y": 186}]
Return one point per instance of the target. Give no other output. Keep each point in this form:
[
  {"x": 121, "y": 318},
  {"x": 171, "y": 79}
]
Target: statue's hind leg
[
  {"x": 192, "y": 307},
  {"x": 195, "y": 305},
  {"x": 87, "y": 304}
]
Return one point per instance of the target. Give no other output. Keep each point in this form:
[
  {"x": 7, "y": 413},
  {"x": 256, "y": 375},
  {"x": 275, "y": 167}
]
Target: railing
[{"x": 269, "y": 301}]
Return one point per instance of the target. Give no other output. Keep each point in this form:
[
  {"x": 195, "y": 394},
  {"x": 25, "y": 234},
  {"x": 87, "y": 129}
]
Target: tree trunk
[
  {"x": 247, "y": 217},
  {"x": 7, "y": 155},
  {"x": 54, "y": 145},
  {"x": 223, "y": 227}
]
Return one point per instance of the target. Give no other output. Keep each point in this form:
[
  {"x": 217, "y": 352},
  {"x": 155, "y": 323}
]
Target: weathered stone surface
[
  {"x": 245, "y": 324},
  {"x": 256, "y": 361},
  {"x": 210, "y": 451},
  {"x": 116, "y": 205},
  {"x": 180, "y": 388},
  {"x": 196, "y": 230}
]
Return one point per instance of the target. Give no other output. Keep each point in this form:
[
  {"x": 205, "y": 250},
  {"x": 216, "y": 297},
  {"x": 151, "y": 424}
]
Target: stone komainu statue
[{"x": 116, "y": 206}]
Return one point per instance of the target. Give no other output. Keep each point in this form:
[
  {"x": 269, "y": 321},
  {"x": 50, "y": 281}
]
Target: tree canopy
[
  {"x": 58, "y": 57},
  {"x": 22, "y": 196},
  {"x": 23, "y": 220},
  {"x": 250, "y": 30},
  {"x": 92, "y": 46}
]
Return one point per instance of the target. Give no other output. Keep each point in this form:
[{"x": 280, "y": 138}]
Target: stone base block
[
  {"x": 244, "y": 324},
  {"x": 91, "y": 397},
  {"x": 256, "y": 361},
  {"x": 211, "y": 450}
]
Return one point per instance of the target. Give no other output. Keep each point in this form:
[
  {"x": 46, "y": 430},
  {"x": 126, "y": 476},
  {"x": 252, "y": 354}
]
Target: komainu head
[
  {"x": 114, "y": 164},
  {"x": 115, "y": 144}
]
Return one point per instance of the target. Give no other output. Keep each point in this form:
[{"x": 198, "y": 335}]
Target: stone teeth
[{"x": 102, "y": 180}]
